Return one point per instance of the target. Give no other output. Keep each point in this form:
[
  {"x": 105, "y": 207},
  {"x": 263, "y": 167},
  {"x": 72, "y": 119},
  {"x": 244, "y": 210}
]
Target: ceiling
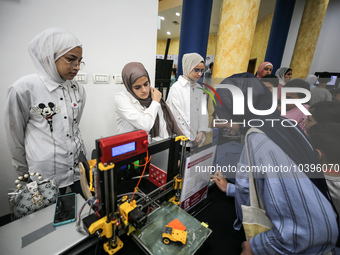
[{"x": 172, "y": 23}]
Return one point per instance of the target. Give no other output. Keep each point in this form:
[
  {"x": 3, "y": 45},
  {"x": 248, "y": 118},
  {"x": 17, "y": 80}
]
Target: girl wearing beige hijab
[
  {"x": 188, "y": 103},
  {"x": 141, "y": 106}
]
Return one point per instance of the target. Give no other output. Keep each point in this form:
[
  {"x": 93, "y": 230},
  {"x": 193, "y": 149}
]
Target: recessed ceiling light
[
  {"x": 178, "y": 14},
  {"x": 162, "y": 18},
  {"x": 168, "y": 33}
]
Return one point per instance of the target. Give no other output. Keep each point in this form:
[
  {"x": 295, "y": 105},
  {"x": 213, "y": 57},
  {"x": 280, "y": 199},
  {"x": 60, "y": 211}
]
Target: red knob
[{"x": 145, "y": 143}]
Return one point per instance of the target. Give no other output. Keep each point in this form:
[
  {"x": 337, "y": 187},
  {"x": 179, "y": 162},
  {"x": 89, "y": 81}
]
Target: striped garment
[{"x": 304, "y": 220}]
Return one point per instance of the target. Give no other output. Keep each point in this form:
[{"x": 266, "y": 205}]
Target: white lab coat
[
  {"x": 188, "y": 105},
  {"x": 131, "y": 115}
]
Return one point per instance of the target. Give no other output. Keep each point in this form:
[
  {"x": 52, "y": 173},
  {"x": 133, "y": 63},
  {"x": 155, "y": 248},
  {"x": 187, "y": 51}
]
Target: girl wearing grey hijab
[
  {"x": 141, "y": 106},
  {"x": 187, "y": 101}
]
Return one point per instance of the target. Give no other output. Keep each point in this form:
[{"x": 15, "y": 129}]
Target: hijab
[
  {"x": 47, "y": 47},
  {"x": 130, "y": 74},
  {"x": 311, "y": 79},
  {"x": 292, "y": 141},
  {"x": 261, "y": 67},
  {"x": 189, "y": 62},
  {"x": 280, "y": 73}
]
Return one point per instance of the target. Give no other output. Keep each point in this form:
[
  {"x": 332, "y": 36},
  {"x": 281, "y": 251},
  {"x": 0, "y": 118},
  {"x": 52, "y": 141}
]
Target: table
[{"x": 60, "y": 239}]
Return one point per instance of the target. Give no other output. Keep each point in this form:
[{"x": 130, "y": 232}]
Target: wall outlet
[
  {"x": 81, "y": 78},
  {"x": 101, "y": 78},
  {"x": 118, "y": 79}
]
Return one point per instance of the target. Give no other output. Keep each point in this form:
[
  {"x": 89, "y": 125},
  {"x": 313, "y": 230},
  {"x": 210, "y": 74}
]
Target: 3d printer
[{"x": 115, "y": 216}]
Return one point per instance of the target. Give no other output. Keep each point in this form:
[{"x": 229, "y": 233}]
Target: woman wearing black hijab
[
  {"x": 296, "y": 201},
  {"x": 141, "y": 106}
]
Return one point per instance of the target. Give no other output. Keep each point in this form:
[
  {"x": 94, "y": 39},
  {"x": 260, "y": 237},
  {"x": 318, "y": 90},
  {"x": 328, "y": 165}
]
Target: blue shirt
[{"x": 304, "y": 220}]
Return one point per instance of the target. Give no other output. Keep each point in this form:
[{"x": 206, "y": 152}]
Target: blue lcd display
[{"x": 122, "y": 149}]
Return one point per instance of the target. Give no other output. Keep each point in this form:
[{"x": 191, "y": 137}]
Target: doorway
[{"x": 251, "y": 65}]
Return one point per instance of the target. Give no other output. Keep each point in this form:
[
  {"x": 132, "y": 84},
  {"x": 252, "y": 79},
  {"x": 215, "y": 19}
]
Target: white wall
[
  {"x": 327, "y": 52},
  {"x": 293, "y": 32},
  {"x": 113, "y": 33}
]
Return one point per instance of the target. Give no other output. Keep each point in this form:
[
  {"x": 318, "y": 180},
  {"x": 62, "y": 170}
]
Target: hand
[
  {"x": 199, "y": 137},
  {"x": 156, "y": 95},
  {"x": 220, "y": 181},
  {"x": 246, "y": 249}
]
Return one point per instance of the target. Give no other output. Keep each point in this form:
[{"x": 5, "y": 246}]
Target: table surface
[{"x": 55, "y": 242}]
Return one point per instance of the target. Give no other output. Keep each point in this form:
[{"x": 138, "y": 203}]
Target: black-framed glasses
[
  {"x": 74, "y": 63},
  {"x": 197, "y": 70}
]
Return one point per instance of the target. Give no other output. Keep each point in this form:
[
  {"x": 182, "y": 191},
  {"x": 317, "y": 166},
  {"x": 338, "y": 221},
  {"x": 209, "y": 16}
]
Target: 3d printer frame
[{"x": 112, "y": 154}]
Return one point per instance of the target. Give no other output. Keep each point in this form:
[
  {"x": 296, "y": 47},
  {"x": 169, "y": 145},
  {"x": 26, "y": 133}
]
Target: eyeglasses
[
  {"x": 197, "y": 70},
  {"x": 74, "y": 63}
]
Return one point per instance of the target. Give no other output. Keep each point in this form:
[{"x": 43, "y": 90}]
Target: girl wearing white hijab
[
  {"x": 44, "y": 109},
  {"x": 284, "y": 74},
  {"x": 311, "y": 79},
  {"x": 187, "y": 101}
]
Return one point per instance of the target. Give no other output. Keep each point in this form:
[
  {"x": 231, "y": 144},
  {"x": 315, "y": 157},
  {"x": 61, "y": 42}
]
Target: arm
[
  {"x": 242, "y": 184},
  {"x": 220, "y": 181},
  {"x": 303, "y": 219},
  {"x": 201, "y": 115},
  {"x": 202, "y": 129},
  {"x": 204, "y": 118},
  {"x": 199, "y": 137},
  {"x": 225, "y": 186},
  {"x": 176, "y": 106},
  {"x": 16, "y": 118},
  {"x": 246, "y": 249},
  {"x": 140, "y": 119},
  {"x": 82, "y": 92}
]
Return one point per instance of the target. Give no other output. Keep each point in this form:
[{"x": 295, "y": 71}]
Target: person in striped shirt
[{"x": 296, "y": 200}]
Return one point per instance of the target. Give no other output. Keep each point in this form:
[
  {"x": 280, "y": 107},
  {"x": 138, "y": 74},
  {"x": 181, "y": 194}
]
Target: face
[
  {"x": 288, "y": 76},
  {"x": 269, "y": 85},
  {"x": 267, "y": 70},
  {"x": 310, "y": 121},
  {"x": 141, "y": 87},
  {"x": 291, "y": 96},
  {"x": 63, "y": 63},
  {"x": 196, "y": 76}
]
